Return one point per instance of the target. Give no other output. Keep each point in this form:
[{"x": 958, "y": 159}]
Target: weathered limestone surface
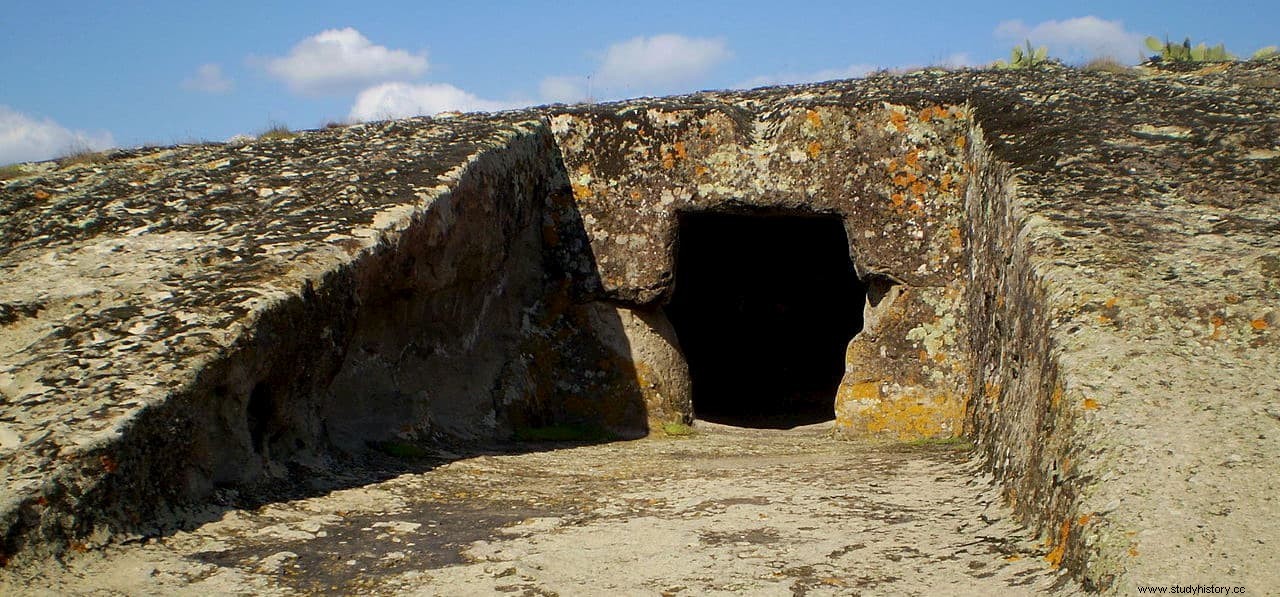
[
  {"x": 895, "y": 174},
  {"x": 1080, "y": 271},
  {"x": 183, "y": 320}
]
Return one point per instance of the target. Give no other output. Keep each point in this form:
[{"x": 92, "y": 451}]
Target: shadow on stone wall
[{"x": 457, "y": 335}]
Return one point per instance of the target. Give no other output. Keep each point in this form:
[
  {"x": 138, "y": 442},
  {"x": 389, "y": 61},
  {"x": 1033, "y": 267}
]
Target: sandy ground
[{"x": 724, "y": 511}]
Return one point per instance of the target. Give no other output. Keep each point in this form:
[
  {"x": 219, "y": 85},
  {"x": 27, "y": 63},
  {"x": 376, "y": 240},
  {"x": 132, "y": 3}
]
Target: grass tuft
[
  {"x": 277, "y": 130},
  {"x": 677, "y": 429},
  {"x": 82, "y": 156},
  {"x": 11, "y": 171},
  {"x": 1106, "y": 64}
]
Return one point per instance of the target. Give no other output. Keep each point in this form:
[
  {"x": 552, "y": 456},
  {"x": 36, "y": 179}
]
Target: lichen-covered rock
[{"x": 1076, "y": 270}]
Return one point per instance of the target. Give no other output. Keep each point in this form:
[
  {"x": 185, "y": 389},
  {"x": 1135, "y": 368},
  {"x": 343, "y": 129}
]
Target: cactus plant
[
  {"x": 1185, "y": 52},
  {"x": 1027, "y": 57}
]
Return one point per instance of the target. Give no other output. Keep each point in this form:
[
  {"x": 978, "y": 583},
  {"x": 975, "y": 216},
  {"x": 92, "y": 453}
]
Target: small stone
[
  {"x": 9, "y": 439},
  {"x": 276, "y": 561},
  {"x": 1273, "y": 409}
]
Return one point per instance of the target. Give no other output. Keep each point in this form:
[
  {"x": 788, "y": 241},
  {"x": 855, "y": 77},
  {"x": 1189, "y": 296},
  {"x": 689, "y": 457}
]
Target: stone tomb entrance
[{"x": 764, "y": 307}]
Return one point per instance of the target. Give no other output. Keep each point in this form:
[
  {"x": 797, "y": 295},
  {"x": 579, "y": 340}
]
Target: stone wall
[
  {"x": 403, "y": 333},
  {"x": 893, "y": 173}
]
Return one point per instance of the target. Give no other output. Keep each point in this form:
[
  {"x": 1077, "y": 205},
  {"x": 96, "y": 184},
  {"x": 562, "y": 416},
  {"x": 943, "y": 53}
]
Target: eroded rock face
[
  {"x": 1073, "y": 269},
  {"x": 894, "y": 174}
]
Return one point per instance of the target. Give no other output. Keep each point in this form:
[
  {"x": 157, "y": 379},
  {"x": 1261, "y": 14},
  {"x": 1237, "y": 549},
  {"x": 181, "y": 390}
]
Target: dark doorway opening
[{"x": 764, "y": 307}]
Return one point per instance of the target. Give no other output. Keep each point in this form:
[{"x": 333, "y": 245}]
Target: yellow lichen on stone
[
  {"x": 1055, "y": 556},
  {"x": 815, "y": 119},
  {"x": 814, "y": 149},
  {"x": 898, "y": 120},
  {"x": 864, "y": 391},
  {"x": 912, "y": 416},
  {"x": 581, "y": 191}
]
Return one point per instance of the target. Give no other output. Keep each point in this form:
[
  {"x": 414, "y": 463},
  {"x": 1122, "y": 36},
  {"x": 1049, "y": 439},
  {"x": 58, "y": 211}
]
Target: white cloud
[
  {"x": 567, "y": 90},
  {"x": 338, "y": 60},
  {"x": 1077, "y": 39},
  {"x": 661, "y": 60},
  {"x": 852, "y": 71},
  {"x": 400, "y": 100},
  {"x": 23, "y": 138},
  {"x": 209, "y": 78}
]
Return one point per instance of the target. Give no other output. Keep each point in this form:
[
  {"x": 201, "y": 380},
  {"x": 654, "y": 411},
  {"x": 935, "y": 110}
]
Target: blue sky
[{"x": 93, "y": 74}]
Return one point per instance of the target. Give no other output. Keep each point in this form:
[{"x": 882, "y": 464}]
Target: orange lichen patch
[
  {"x": 924, "y": 355},
  {"x": 899, "y": 120},
  {"x": 1217, "y": 327},
  {"x": 904, "y": 179},
  {"x": 897, "y": 199},
  {"x": 916, "y": 206},
  {"x": 41, "y": 195},
  {"x": 1090, "y": 404},
  {"x": 700, "y": 170},
  {"x": 635, "y": 194},
  {"x": 1056, "y": 397},
  {"x": 1133, "y": 551},
  {"x": 814, "y": 149},
  {"x": 913, "y": 158},
  {"x": 815, "y": 119},
  {"x": 680, "y": 153},
  {"x": 945, "y": 182},
  {"x": 957, "y": 241},
  {"x": 1111, "y": 302},
  {"x": 668, "y": 160},
  {"x": 918, "y": 188},
  {"x": 913, "y": 416},
  {"x": 1083, "y": 520},
  {"x": 961, "y": 141},
  {"x": 991, "y": 391},
  {"x": 581, "y": 191},
  {"x": 1012, "y": 558},
  {"x": 867, "y": 390},
  {"x": 1259, "y": 324},
  {"x": 584, "y": 170},
  {"x": 1055, "y": 556}
]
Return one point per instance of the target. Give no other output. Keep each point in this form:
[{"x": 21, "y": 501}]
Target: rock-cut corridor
[
  {"x": 1034, "y": 313},
  {"x": 725, "y": 511}
]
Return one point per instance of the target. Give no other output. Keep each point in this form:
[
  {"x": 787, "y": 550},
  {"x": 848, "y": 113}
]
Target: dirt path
[{"x": 725, "y": 511}]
